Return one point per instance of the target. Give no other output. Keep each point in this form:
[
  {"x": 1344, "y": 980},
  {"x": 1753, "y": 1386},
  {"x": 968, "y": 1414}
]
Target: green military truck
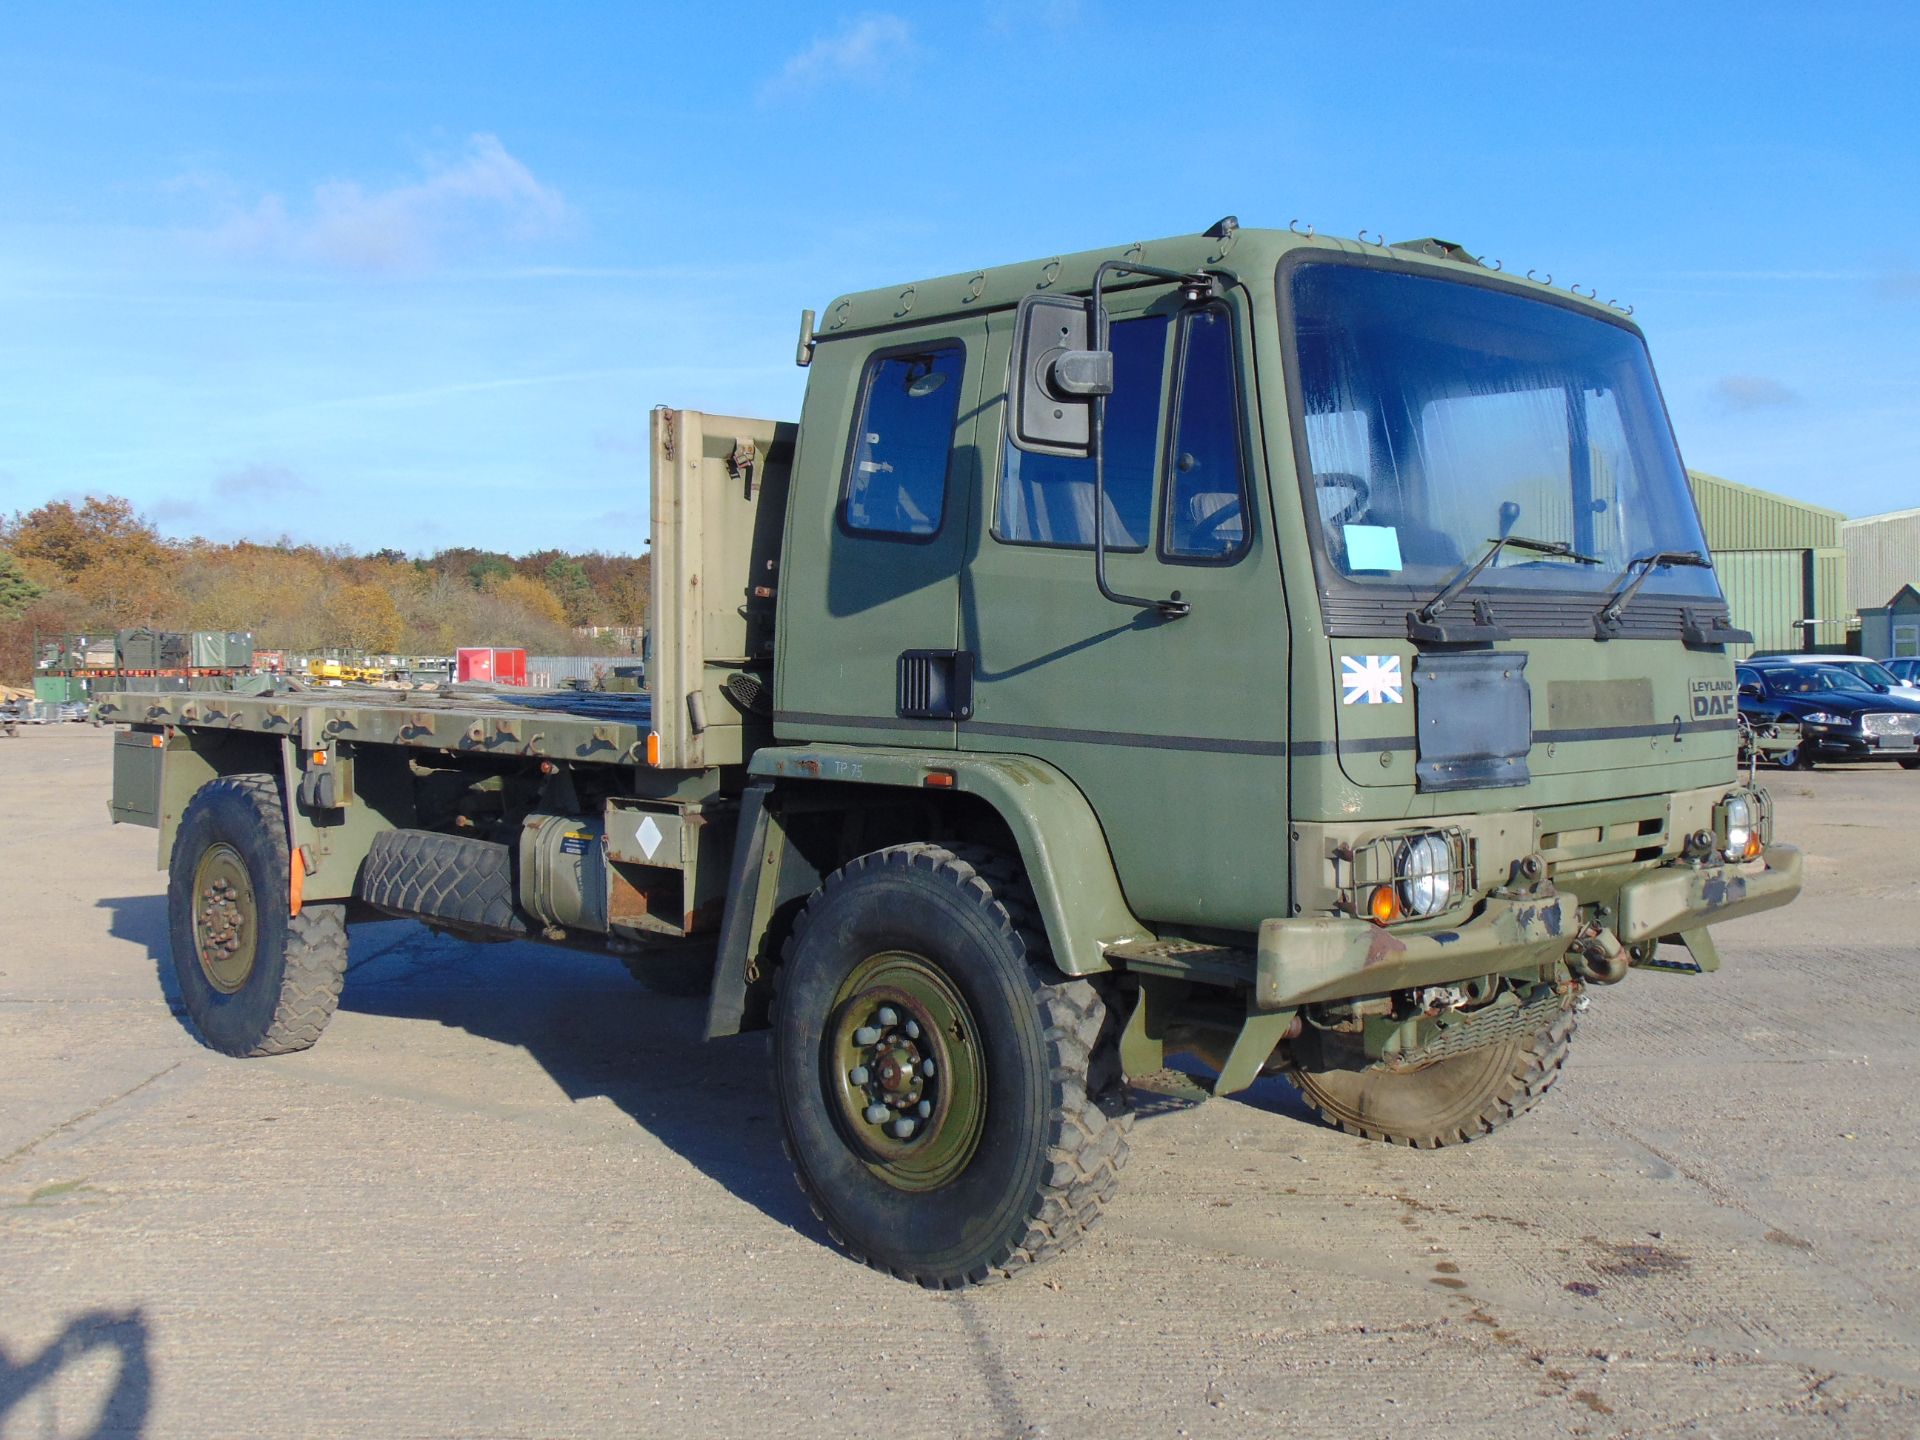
[{"x": 1293, "y": 652}]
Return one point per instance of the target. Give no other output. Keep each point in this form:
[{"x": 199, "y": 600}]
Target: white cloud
[
  {"x": 257, "y": 482},
  {"x": 866, "y": 50},
  {"x": 481, "y": 195},
  {"x": 1752, "y": 392}
]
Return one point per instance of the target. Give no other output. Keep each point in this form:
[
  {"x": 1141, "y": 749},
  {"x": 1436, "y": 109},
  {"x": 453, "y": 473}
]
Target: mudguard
[{"x": 1062, "y": 848}]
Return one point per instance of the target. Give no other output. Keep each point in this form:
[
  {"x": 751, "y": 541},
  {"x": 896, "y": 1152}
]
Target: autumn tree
[
  {"x": 17, "y": 591},
  {"x": 363, "y": 618},
  {"x": 540, "y": 603},
  {"x": 567, "y": 579},
  {"x": 71, "y": 540}
]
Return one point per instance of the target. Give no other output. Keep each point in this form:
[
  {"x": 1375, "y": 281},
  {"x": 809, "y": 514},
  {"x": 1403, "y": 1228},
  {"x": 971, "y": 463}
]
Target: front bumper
[
  {"x": 1844, "y": 745},
  {"x": 1304, "y": 961}
]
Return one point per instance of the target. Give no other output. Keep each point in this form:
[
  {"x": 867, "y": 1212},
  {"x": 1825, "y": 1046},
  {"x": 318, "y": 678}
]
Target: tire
[
  {"x": 1910, "y": 762},
  {"x": 1016, "y": 1142},
  {"x": 452, "y": 880},
  {"x": 1798, "y": 758},
  {"x": 255, "y": 981},
  {"x": 1448, "y": 1102}
]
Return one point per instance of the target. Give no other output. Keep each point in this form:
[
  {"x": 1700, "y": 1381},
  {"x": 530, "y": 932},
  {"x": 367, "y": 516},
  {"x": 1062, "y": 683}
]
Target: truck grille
[
  {"x": 1888, "y": 723},
  {"x": 1589, "y": 837}
]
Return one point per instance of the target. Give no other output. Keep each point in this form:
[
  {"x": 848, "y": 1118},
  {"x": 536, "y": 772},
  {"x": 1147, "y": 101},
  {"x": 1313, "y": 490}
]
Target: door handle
[{"x": 934, "y": 685}]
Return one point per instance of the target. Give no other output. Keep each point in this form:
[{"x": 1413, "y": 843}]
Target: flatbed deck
[{"x": 581, "y": 726}]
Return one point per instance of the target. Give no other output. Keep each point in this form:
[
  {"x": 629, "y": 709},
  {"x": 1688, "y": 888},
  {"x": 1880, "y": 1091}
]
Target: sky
[{"x": 413, "y": 275}]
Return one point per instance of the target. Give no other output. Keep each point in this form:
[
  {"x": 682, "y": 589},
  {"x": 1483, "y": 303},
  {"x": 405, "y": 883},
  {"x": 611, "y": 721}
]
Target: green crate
[{"x": 58, "y": 689}]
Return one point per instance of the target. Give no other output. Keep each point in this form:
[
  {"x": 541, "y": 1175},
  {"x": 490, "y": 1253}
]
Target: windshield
[
  {"x": 1815, "y": 681},
  {"x": 1871, "y": 673},
  {"x": 1440, "y": 415}
]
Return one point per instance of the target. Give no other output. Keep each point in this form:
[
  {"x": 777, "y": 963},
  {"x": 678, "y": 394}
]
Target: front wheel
[
  {"x": 951, "y": 1103},
  {"x": 1447, "y": 1102}
]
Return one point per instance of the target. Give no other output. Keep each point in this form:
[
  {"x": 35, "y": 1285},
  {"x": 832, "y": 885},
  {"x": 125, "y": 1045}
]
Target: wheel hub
[
  {"x": 224, "y": 918},
  {"x": 903, "y": 1069}
]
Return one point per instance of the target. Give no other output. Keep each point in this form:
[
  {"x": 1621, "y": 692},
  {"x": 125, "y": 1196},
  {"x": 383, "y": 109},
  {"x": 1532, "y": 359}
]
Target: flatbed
[{"x": 585, "y": 727}]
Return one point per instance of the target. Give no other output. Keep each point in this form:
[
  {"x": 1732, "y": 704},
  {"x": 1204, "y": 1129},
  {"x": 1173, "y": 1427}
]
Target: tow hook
[{"x": 1598, "y": 957}]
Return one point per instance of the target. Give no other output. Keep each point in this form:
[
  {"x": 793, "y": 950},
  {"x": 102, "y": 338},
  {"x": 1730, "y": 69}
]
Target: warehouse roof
[{"x": 1741, "y": 517}]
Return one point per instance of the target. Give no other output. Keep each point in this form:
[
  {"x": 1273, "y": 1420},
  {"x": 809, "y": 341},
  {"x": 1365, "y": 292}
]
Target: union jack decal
[{"x": 1370, "y": 679}]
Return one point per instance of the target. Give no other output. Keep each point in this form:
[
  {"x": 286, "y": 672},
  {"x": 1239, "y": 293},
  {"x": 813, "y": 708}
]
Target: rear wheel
[
  {"x": 952, "y": 1105},
  {"x": 255, "y": 980},
  {"x": 1910, "y": 762},
  {"x": 1448, "y": 1102}
]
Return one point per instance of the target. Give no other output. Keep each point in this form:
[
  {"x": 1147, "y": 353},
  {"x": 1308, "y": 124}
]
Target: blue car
[{"x": 1841, "y": 716}]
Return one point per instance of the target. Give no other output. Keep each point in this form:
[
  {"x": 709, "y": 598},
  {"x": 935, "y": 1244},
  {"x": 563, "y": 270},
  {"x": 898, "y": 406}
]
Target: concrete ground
[{"x": 512, "y": 1194}]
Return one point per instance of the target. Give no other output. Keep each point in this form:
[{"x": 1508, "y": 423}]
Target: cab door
[
  {"x": 1174, "y": 728},
  {"x": 877, "y": 535}
]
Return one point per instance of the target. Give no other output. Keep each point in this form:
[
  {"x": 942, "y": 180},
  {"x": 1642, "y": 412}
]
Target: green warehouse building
[{"x": 1781, "y": 564}]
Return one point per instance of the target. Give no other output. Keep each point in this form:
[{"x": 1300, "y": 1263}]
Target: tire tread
[
  {"x": 1536, "y": 1067},
  {"x": 1088, "y": 1145},
  {"x": 316, "y": 949}
]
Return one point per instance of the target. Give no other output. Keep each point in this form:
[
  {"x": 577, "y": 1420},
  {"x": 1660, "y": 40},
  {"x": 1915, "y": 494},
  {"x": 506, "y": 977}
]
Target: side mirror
[{"x": 1056, "y": 376}]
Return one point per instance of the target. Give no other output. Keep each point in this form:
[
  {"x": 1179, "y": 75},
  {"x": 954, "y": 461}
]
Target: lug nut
[
  {"x": 888, "y": 1016},
  {"x": 923, "y": 1109},
  {"x": 901, "y": 1128},
  {"x": 858, "y": 1075},
  {"x": 866, "y": 1035},
  {"x": 876, "y": 1113},
  {"x": 926, "y": 1068},
  {"x": 913, "y": 1029}
]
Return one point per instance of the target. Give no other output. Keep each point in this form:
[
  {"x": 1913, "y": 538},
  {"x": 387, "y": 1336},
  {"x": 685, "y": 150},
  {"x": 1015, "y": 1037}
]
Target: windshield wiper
[
  {"x": 1606, "y": 624},
  {"x": 1423, "y": 625}
]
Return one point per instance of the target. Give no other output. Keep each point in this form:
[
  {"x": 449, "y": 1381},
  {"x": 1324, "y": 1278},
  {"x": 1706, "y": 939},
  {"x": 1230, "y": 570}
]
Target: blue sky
[{"x": 413, "y": 274}]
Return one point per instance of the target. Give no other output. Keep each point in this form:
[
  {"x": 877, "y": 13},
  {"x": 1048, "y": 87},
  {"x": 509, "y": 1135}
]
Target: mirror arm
[{"x": 1199, "y": 287}]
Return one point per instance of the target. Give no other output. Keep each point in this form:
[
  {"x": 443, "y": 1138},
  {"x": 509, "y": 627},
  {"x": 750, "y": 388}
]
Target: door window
[
  {"x": 897, "y": 475},
  {"x": 1206, "y": 517},
  {"x": 1048, "y": 499}
]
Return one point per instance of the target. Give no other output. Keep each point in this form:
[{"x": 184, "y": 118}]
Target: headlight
[
  {"x": 1425, "y": 869},
  {"x": 1821, "y": 717},
  {"x": 1739, "y": 826}
]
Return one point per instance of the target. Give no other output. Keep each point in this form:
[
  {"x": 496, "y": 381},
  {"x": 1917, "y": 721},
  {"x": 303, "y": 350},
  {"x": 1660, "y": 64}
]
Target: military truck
[{"x": 1296, "y": 653}]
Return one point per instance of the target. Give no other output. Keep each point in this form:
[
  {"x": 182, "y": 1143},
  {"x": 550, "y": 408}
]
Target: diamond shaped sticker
[{"x": 649, "y": 835}]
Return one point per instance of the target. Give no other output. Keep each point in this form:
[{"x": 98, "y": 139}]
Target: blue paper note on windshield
[{"x": 1372, "y": 547}]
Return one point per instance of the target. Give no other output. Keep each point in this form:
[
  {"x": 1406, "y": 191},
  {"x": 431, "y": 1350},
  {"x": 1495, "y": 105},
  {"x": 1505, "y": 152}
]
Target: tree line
[{"x": 99, "y": 566}]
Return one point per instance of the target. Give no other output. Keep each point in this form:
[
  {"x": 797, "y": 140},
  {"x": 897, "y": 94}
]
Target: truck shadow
[
  {"x": 598, "y": 1033},
  {"x": 142, "y": 920},
  {"x": 588, "y": 1024},
  {"x": 121, "y": 1409}
]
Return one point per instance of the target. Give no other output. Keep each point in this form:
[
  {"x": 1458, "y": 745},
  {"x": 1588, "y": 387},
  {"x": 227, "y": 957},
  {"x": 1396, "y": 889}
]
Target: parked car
[
  {"x": 1840, "y": 715},
  {"x": 1871, "y": 671},
  {"x": 1906, "y": 667}
]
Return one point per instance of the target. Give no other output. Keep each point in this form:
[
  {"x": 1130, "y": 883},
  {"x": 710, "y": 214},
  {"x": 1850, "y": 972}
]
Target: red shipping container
[{"x": 485, "y": 665}]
